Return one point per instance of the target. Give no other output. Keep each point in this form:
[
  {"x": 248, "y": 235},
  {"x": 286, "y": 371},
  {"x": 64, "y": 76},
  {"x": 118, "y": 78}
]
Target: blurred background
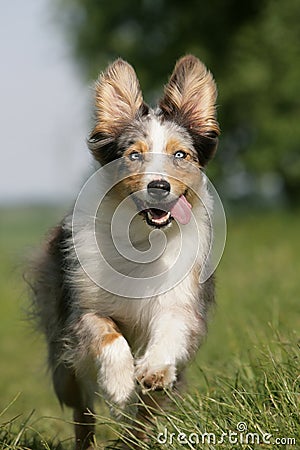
[{"x": 51, "y": 51}]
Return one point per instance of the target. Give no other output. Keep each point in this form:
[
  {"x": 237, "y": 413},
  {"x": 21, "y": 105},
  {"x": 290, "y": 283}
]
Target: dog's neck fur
[{"x": 140, "y": 240}]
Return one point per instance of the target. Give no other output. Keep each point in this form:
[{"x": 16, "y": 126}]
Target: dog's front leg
[
  {"x": 101, "y": 342},
  {"x": 174, "y": 337}
]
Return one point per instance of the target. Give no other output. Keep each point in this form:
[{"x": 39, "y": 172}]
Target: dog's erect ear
[
  {"x": 118, "y": 99},
  {"x": 190, "y": 100}
]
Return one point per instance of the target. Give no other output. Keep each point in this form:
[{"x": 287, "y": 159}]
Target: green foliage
[
  {"x": 252, "y": 48},
  {"x": 21, "y": 436},
  {"x": 152, "y": 34},
  {"x": 260, "y": 91}
]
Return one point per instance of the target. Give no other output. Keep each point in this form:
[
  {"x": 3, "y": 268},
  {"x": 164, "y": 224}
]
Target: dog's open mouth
[
  {"x": 161, "y": 215},
  {"x": 157, "y": 217}
]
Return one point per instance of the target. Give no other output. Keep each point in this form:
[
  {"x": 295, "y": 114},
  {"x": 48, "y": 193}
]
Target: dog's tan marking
[
  {"x": 110, "y": 338},
  {"x": 192, "y": 197},
  {"x": 97, "y": 332},
  {"x": 130, "y": 184},
  {"x": 133, "y": 180},
  {"x": 179, "y": 177},
  {"x": 139, "y": 146},
  {"x": 174, "y": 145}
]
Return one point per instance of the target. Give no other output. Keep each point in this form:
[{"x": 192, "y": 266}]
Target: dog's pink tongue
[{"x": 182, "y": 210}]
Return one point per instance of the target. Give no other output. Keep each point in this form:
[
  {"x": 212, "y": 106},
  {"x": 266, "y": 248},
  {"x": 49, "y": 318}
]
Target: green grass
[
  {"x": 262, "y": 398},
  {"x": 247, "y": 371}
]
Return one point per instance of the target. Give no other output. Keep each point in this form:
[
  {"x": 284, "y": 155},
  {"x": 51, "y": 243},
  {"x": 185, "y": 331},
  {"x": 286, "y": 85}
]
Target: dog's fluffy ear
[
  {"x": 190, "y": 100},
  {"x": 118, "y": 98},
  {"x": 118, "y": 101}
]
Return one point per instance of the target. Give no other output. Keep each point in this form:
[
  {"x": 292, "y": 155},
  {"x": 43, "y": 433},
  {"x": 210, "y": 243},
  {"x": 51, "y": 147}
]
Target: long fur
[{"x": 100, "y": 341}]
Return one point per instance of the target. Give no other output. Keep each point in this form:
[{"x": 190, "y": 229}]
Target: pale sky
[{"x": 44, "y": 107}]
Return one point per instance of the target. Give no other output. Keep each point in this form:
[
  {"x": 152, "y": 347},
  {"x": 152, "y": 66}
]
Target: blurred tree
[
  {"x": 261, "y": 94},
  {"x": 252, "y": 49}
]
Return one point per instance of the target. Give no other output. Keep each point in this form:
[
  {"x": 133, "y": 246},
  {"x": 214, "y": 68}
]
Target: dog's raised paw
[{"x": 156, "y": 380}]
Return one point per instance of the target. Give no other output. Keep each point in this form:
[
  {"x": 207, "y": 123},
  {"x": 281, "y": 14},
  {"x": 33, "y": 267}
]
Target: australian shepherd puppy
[{"x": 117, "y": 288}]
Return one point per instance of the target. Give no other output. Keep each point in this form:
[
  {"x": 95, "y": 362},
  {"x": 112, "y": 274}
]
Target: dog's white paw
[
  {"x": 154, "y": 377},
  {"x": 116, "y": 372}
]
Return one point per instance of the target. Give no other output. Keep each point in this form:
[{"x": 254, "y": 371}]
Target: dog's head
[{"x": 162, "y": 151}]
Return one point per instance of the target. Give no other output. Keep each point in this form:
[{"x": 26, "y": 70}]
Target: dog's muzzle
[{"x": 159, "y": 208}]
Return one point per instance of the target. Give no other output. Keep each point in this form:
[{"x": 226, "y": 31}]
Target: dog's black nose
[{"x": 159, "y": 188}]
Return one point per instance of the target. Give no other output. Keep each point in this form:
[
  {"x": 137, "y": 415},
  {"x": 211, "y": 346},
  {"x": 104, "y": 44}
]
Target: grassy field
[{"x": 246, "y": 376}]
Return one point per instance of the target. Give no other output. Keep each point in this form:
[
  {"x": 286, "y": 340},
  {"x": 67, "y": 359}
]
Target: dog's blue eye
[
  {"x": 135, "y": 156},
  {"x": 180, "y": 154}
]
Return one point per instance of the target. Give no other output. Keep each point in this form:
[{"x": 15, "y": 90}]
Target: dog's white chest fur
[{"x": 167, "y": 288}]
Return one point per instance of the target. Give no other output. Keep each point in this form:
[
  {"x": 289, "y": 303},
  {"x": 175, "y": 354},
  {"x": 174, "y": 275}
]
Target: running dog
[{"x": 134, "y": 333}]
